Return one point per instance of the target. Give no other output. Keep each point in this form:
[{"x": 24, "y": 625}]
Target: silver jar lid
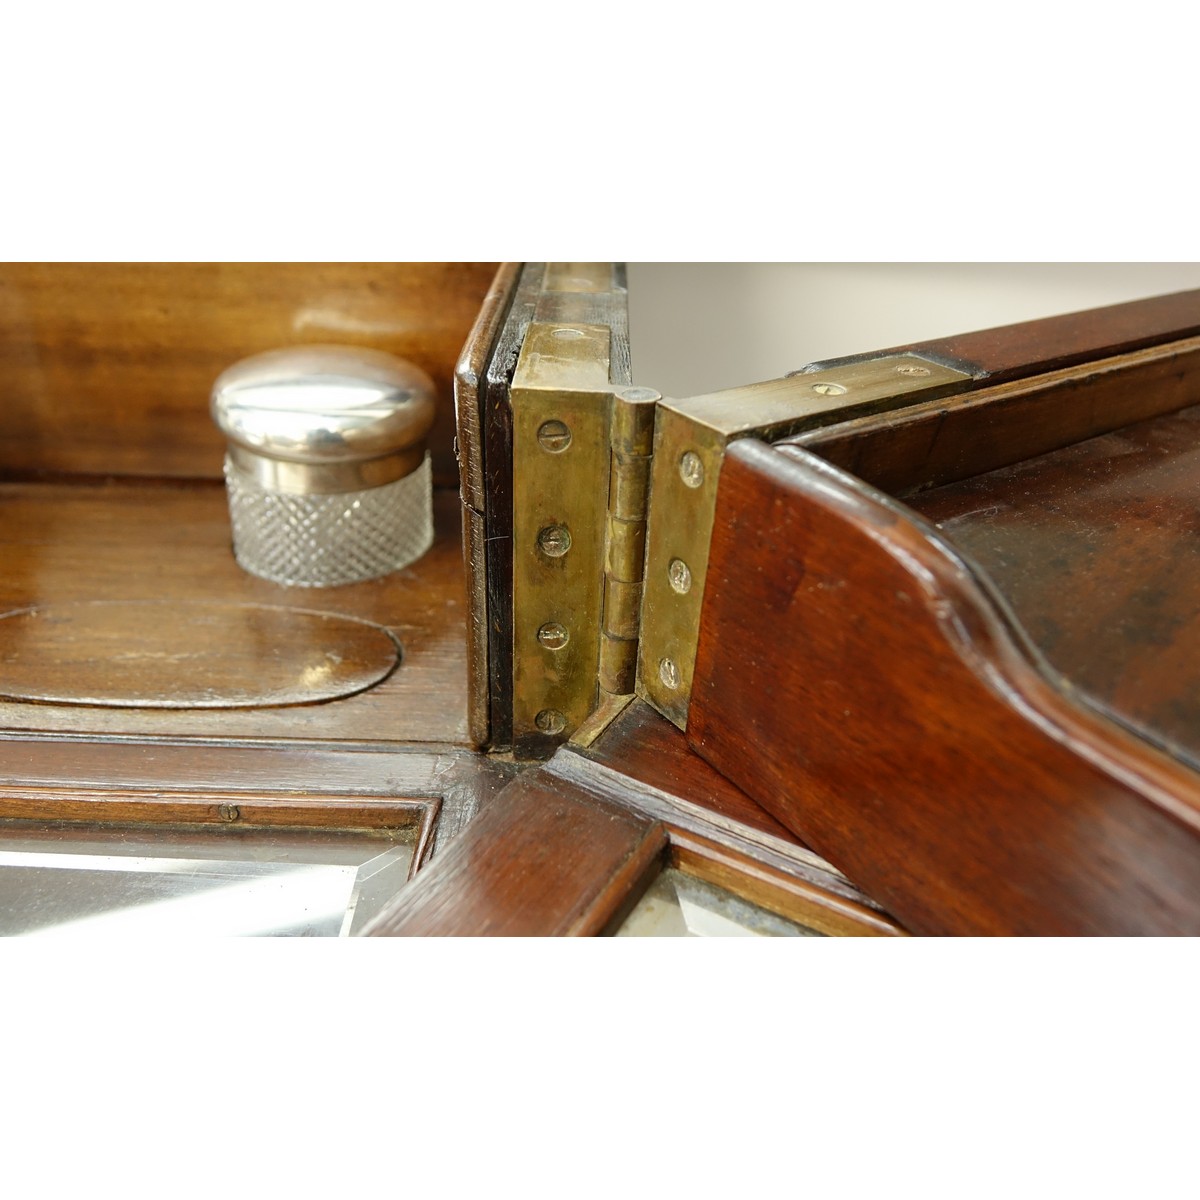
[{"x": 324, "y": 419}]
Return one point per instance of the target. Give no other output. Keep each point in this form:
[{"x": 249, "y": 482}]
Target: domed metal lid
[{"x": 324, "y": 404}]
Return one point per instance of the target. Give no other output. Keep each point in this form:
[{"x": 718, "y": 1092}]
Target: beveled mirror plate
[
  {"x": 151, "y": 654},
  {"x": 162, "y": 882}
]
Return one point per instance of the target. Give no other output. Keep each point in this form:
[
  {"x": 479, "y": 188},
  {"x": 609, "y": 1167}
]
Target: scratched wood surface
[{"x": 106, "y": 368}]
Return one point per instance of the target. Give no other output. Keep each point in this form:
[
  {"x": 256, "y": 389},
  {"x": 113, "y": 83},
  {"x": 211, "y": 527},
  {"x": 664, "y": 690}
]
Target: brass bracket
[
  {"x": 581, "y": 465},
  {"x": 690, "y": 438}
]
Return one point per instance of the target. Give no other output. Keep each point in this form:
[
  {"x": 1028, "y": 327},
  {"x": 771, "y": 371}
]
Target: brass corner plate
[{"x": 690, "y": 439}]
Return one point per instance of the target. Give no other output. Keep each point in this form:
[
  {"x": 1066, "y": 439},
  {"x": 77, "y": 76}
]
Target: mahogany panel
[
  {"x": 1095, "y": 547},
  {"x": 543, "y": 859},
  {"x": 859, "y": 683},
  {"x": 1033, "y": 347},
  {"x": 106, "y": 368},
  {"x": 134, "y": 542}
]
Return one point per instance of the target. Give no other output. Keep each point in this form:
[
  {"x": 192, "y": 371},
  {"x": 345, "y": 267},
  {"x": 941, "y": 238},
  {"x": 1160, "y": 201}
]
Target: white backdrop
[{"x": 700, "y": 327}]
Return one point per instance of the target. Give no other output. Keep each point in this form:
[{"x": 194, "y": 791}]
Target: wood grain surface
[
  {"x": 170, "y": 545},
  {"x": 106, "y": 368},
  {"x": 858, "y": 681},
  {"x": 935, "y": 443},
  {"x": 543, "y": 859}
]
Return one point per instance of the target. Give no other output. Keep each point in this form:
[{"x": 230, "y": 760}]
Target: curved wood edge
[{"x": 862, "y": 684}]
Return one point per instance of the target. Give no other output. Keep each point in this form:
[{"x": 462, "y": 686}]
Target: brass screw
[
  {"x": 691, "y": 469},
  {"x": 228, "y": 812},
  {"x": 554, "y": 436},
  {"x": 829, "y": 389},
  {"x": 668, "y": 672},
  {"x": 553, "y": 636},
  {"x": 680, "y": 575},
  {"x": 554, "y": 541},
  {"x": 912, "y": 369},
  {"x": 550, "y": 720}
]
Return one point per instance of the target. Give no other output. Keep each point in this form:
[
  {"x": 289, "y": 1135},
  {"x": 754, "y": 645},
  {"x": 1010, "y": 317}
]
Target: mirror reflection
[{"x": 63, "y": 881}]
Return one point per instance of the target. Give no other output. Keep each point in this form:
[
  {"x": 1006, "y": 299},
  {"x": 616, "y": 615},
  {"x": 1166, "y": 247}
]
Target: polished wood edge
[
  {"x": 681, "y": 816},
  {"x": 626, "y": 886},
  {"x": 946, "y": 440},
  {"x": 101, "y": 761},
  {"x": 426, "y": 834},
  {"x": 1033, "y": 347},
  {"x": 468, "y": 373},
  {"x": 776, "y": 890}
]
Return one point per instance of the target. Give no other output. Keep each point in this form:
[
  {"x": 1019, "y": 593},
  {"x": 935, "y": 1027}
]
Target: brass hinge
[
  {"x": 690, "y": 438},
  {"x": 581, "y": 468},
  {"x": 614, "y": 496}
]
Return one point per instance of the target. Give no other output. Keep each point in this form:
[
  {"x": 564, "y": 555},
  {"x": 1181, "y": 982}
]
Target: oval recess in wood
[{"x": 157, "y": 654}]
